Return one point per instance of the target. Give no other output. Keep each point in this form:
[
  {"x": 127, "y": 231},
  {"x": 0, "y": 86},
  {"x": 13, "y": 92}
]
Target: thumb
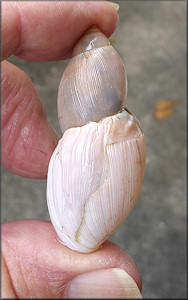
[
  {"x": 108, "y": 283},
  {"x": 37, "y": 265}
]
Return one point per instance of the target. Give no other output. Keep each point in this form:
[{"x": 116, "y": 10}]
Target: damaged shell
[
  {"x": 94, "y": 179},
  {"x": 93, "y": 85}
]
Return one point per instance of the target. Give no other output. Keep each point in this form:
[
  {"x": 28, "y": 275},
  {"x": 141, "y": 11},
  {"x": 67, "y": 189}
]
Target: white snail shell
[
  {"x": 93, "y": 85},
  {"x": 94, "y": 179},
  {"x": 96, "y": 171}
]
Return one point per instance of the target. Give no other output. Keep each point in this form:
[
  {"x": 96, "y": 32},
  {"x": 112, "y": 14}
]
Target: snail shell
[
  {"x": 94, "y": 179},
  {"x": 93, "y": 85},
  {"x": 96, "y": 171}
]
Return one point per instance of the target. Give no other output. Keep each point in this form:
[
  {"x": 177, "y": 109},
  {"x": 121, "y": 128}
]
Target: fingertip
[
  {"x": 39, "y": 252},
  {"x": 123, "y": 261},
  {"x": 44, "y": 31},
  {"x": 108, "y": 283},
  {"x": 105, "y": 16}
]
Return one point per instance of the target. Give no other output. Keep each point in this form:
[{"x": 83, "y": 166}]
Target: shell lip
[
  {"x": 138, "y": 123},
  {"x": 131, "y": 123},
  {"x": 124, "y": 112}
]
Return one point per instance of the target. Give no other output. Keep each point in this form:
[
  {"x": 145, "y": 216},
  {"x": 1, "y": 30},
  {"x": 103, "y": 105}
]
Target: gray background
[{"x": 151, "y": 39}]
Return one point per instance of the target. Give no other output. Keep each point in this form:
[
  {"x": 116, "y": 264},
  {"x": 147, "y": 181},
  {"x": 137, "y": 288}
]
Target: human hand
[{"x": 34, "y": 263}]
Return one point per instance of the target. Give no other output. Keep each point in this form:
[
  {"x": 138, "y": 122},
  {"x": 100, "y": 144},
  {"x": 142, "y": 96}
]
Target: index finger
[{"x": 44, "y": 31}]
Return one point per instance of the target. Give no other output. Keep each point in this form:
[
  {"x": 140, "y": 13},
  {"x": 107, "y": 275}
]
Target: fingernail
[
  {"x": 112, "y": 4},
  {"x": 110, "y": 283}
]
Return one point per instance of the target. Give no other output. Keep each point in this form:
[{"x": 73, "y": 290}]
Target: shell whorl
[
  {"x": 94, "y": 179},
  {"x": 93, "y": 85}
]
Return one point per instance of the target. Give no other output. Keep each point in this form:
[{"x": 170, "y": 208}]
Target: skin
[{"x": 34, "y": 262}]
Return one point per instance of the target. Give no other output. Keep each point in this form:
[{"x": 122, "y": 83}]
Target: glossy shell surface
[{"x": 93, "y": 85}]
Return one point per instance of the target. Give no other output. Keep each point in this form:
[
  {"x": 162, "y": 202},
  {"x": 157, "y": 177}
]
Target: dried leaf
[{"x": 165, "y": 108}]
